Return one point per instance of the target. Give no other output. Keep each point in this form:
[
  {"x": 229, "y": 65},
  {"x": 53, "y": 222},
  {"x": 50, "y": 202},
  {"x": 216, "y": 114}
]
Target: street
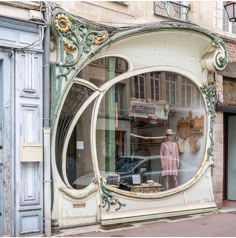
[{"x": 219, "y": 224}]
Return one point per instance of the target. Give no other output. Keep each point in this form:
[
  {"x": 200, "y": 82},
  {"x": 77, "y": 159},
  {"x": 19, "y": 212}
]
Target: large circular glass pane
[{"x": 151, "y": 132}]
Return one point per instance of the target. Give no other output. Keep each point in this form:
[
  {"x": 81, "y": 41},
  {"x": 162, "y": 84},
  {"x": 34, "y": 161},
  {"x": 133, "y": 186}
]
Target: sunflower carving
[
  {"x": 101, "y": 37},
  {"x": 62, "y": 23},
  {"x": 69, "y": 47}
]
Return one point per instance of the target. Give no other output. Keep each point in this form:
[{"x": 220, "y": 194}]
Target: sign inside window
[
  {"x": 79, "y": 145},
  {"x": 149, "y": 110}
]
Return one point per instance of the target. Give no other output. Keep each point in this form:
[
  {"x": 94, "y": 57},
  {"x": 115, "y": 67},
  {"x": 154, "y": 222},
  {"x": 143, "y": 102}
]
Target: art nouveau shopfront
[{"x": 115, "y": 91}]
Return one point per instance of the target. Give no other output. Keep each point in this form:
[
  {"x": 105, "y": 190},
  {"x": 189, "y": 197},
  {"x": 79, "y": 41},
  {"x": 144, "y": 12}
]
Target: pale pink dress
[{"x": 169, "y": 158}]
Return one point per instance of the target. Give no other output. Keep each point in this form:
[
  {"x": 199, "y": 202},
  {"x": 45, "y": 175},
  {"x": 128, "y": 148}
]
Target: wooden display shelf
[{"x": 145, "y": 188}]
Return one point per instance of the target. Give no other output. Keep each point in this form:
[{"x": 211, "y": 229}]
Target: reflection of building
[
  {"x": 144, "y": 101},
  {"x": 90, "y": 116},
  {"x": 148, "y": 87}
]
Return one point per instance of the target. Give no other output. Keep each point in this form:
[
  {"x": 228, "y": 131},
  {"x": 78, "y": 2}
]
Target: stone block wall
[{"x": 218, "y": 157}]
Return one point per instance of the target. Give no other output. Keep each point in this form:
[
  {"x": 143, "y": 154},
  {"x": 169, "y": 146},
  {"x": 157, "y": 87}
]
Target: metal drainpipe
[{"x": 46, "y": 128}]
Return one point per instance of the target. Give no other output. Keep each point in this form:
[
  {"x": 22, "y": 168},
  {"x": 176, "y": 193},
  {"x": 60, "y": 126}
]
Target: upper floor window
[
  {"x": 121, "y": 65},
  {"x": 100, "y": 61},
  {"x": 186, "y": 93},
  {"x": 172, "y": 9},
  {"x": 119, "y": 98},
  {"x": 199, "y": 101},
  {"x": 155, "y": 86},
  {"x": 171, "y": 88},
  {"x": 139, "y": 81}
]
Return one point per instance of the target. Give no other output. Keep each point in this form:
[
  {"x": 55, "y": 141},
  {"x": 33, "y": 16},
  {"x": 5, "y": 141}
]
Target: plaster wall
[
  {"x": 106, "y": 12},
  {"x": 136, "y": 12},
  {"x": 159, "y": 50},
  {"x": 114, "y": 13},
  {"x": 200, "y": 12},
  {"x": 21, "y": 10}
]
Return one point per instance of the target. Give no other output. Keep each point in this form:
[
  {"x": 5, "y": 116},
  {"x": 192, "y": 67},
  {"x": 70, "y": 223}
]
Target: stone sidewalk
[{"x": 219, "y": 224}]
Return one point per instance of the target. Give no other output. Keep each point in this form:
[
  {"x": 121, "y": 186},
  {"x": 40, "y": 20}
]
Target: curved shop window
[
  {"x": 133, "y": 149},
  {"x": 79, "y": 167}
]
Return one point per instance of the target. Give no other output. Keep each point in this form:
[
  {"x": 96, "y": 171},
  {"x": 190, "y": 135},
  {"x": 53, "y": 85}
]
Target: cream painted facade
[
  {"x": 207, "y": 14},
  {"x": 144, "y": 52}
]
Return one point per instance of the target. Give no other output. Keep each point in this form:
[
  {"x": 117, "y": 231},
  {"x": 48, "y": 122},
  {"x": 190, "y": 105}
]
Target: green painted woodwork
[
  {"x": 209, "y": 92},
  {"x": 77, "y": 40},
  {"x": 110, "y": 121},
  {"x": 108, "y": 198}
]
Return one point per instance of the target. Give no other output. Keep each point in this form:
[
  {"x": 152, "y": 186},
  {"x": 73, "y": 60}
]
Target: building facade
[
  {"x": 133, "y": 90},
  {"x": 122, "y": 73}
]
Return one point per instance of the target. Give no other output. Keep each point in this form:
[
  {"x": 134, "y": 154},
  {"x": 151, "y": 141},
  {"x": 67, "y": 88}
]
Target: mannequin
[{"x": 169, "y": 159}]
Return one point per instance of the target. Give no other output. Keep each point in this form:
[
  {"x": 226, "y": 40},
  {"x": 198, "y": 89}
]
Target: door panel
[
  {"x": 231, "y": 178},
  {"x": 6, "y": 148},
  {"x": 1, "y": 145}
]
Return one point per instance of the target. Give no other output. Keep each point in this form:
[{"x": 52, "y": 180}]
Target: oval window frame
[{"x": 204, "y": 164}]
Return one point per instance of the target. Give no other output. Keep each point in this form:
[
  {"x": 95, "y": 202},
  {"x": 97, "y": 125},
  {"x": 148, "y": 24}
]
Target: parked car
[
  {"x": 130, "y": 168},
  {"x": 138, "y": 169},
  {"x": 135, "y": 169}
]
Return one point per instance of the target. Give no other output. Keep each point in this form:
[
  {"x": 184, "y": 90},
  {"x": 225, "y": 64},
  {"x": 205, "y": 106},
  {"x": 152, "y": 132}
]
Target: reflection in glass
[
  {"x": 74, "y": 100},
  {"x": 103, "y": 69},
  {"x": 132, "y": 120},
  {"x": 133, "y": 117},
  {"x": 79, "y": 166}
]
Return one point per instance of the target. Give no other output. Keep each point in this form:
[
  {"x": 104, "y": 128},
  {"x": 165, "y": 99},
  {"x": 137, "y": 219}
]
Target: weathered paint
[
  {"x": 22, "y": 181},
  {"x": 7, "y": 177}
]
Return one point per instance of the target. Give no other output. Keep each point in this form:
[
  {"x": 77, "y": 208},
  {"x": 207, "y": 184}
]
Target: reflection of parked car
[
  {"x": 129, "y": 168},
  {"x": 148, "y": 168}
]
